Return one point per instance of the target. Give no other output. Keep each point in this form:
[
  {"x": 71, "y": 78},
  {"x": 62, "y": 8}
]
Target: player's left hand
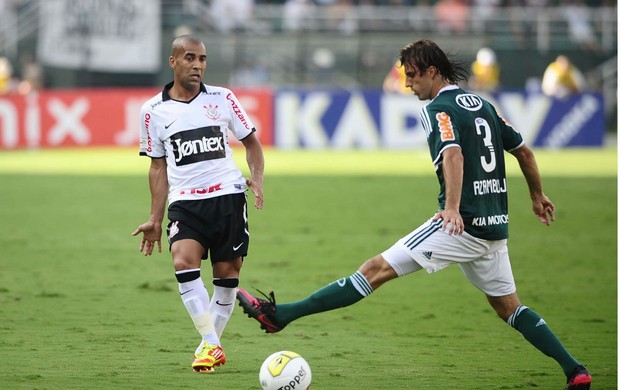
[
  {"x": 544, "y": 209},
  {"x": 257, "y": 189},
  {"x": 452, "y": 221}
]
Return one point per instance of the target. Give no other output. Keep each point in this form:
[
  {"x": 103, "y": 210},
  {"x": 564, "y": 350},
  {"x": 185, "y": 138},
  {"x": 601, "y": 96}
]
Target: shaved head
[{"x": 179, "y": 43}]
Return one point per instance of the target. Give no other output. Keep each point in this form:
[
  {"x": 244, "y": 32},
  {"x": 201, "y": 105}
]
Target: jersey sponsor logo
[
  {"x": 191, "y": 146},
  {"x": 237, "y": 111},
  {"x": 500, "y": 219},
  {"x": 469, "y": 101},
  {"x": 200, "y": 191},
  {"x": 149, "y": 141},
  {"x": 212, "y": 112},
  {"x": 445, "y": 126}
]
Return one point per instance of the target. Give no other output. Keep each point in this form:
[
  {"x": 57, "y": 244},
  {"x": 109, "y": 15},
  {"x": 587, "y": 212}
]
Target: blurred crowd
[
  {"x": 21, "y": 73},
  {"x": 444, "y": 16},
  {"x": 561, "y": 78},
  {"x": 27, "y": 78},
  {"x": 499, "y": 3}
]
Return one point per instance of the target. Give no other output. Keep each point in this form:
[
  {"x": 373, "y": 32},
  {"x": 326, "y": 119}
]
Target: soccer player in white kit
[
  {"x": 467, "y": 140},
  {"x": 184, "y": 130}
]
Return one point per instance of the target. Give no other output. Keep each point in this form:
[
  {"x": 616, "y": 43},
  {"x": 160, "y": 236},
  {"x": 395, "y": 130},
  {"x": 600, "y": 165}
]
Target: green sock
[
  {"x": 536, "y": 331},
  {"x": 341, "y": 293}
]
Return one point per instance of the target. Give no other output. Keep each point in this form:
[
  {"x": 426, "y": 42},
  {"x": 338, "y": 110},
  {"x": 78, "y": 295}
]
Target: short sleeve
[
  {"x": 241, "y": 125},
  {"x": 441, "y": 131},
  {"x": 511, "y": 138},
  {"x": 150, "y": 142}
]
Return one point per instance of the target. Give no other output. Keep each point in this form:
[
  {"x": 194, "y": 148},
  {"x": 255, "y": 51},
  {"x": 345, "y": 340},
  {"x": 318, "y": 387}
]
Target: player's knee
[
  {"x": 504, "y": 314},
  {"x": 377, "y": 271},
  {"x": 182, "y": 264},
  {"x": 504, "y": 306}
]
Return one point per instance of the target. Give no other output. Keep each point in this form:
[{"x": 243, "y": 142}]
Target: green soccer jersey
[{"x": 456, "y": 118}]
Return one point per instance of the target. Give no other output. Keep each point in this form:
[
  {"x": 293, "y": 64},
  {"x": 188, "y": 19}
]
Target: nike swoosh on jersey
[
  {"x": 237, "y": 247},
  {"x": 171, "y": 123},
  {"x": 223, "y": 304}
]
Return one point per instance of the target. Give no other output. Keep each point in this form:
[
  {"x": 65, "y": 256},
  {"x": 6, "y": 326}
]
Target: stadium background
[{"x": 94, "y": 59}]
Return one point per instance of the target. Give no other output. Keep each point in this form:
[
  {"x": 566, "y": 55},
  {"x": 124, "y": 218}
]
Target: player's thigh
[
  {"x": 492, "y": 272},
  {"x": 186, "y": 254}
]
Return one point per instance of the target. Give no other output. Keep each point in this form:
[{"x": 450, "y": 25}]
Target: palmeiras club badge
[{"x": 212, "y": 112}]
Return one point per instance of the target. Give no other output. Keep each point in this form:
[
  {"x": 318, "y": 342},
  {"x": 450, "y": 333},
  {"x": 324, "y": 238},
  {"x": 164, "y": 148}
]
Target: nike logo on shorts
[{"x": 237, "y": 247}]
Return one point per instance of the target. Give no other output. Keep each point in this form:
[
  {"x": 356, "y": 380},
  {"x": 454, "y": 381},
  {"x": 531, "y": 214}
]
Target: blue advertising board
[{"x": 370, "y": 119}]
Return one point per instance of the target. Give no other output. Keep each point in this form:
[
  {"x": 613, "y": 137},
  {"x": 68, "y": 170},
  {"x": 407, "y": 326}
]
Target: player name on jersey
[{"x": 490, "y": 186}]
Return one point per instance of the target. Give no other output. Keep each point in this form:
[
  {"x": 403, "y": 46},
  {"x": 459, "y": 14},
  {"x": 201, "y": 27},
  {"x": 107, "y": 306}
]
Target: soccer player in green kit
[{"x": 467, "y": 140}]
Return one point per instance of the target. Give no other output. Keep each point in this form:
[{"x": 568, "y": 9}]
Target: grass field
[{"x": 80, "y": 308}]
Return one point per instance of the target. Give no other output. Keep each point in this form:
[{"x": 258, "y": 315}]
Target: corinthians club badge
[{"x": 212, "y": 112}]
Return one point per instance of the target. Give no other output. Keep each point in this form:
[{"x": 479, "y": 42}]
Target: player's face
[
  {"x": 420, "y": 83},
  {"x": 189, "y": 66}
]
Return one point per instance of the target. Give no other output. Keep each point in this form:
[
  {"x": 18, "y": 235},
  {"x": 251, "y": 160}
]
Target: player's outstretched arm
[
  {"x": 256, "y": 163},
  {"x": 541, "y": 204},
  {"x": 152, "y": 230}
]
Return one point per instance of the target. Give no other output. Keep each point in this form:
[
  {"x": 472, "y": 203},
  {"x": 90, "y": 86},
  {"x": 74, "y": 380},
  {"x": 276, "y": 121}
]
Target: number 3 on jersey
[{"x": 482, "y": 126}]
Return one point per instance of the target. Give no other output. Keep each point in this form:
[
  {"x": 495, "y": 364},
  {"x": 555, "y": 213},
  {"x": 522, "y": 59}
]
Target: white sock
[
  {"x": 195, "y": 297},
  {"x": 221, "y": 307}
]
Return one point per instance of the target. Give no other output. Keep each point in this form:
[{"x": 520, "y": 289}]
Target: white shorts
[{"x": 485, "y": 263}]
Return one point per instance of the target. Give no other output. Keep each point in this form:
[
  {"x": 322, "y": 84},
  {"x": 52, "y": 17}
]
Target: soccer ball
[{"x": 285, "y": 370}]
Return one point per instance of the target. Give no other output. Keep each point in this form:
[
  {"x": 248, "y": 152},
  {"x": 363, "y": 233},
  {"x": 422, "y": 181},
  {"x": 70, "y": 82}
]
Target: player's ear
[{"x": 171, "y": 62}]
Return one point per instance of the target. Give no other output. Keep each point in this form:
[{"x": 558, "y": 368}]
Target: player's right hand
[
  {"x": 452, "y": 222},
  {"x": 151, "y": 234}
]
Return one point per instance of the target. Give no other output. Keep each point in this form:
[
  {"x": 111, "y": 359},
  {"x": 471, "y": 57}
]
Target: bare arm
[
  {"x": 256, "y": 163},
  {"x": 541, "y": 205},
  {"x": 453, "y": 178},
  {"x": 152, "y": 229}
]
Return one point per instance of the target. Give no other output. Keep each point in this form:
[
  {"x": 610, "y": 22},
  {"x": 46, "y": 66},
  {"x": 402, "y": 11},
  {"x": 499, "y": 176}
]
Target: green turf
[{"x": 80, "y": 308}]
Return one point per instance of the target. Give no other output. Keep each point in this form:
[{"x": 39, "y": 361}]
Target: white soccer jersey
[{"x": 193, "y": 137}]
